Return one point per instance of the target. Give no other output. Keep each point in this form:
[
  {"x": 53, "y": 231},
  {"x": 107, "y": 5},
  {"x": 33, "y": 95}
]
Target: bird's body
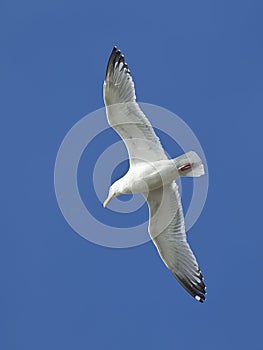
[
  {"x": 152, "y": 174},
  {"x": 144, "y": 177}
]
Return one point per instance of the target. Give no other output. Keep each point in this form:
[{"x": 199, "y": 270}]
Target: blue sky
[{"x": 203, "y": 61}]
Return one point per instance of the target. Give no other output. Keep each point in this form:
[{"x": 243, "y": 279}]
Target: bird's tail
[{"x": 189, "y": 164}]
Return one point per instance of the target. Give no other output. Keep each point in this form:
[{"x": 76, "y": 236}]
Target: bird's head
[{"x": 113, "y": 192}]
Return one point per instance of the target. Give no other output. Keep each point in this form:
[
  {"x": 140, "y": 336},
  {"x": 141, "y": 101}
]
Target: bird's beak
[{"x": 107, "y": 201}]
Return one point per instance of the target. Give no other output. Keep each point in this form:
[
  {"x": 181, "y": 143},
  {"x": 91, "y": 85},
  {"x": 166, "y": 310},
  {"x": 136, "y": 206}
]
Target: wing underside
[
  {"x": 167, "y": 231},
  {"x": 126, "y": 116}
]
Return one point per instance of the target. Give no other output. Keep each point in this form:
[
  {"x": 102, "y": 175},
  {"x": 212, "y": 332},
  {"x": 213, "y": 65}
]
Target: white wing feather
[
  {"x": 125, "y": 115},
  {"x": 167, "y": 230}
]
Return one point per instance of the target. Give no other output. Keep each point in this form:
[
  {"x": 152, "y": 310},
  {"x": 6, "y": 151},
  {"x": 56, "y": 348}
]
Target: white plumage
[{"x": 152, "y": 174}]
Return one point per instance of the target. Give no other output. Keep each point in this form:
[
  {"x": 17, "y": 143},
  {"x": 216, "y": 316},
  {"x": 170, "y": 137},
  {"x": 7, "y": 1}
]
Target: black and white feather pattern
[
  {"x": 118, "y": 85},
  {"x": 167, "y": 230},
  {"x": 126, "y": 116}
]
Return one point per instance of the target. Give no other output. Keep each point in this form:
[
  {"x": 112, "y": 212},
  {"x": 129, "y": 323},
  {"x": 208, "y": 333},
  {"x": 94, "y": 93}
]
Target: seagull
[{"x": 152, "y": 174}]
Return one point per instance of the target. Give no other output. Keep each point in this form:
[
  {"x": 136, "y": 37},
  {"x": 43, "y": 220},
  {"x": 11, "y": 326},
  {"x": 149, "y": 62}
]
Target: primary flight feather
[{"x": 152, "y": 174}]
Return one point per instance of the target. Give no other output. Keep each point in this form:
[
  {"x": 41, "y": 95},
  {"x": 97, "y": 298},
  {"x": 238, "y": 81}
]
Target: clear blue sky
[{"x": 200, "y": 59}]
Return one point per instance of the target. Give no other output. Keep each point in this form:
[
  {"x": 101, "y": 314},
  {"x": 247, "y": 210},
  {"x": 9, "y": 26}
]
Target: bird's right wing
[
  {"x": 167, "y": 230},
  {"x": 125, "y": 115}
]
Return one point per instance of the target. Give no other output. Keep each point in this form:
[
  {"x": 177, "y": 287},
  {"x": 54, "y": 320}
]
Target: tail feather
[{"x": 190, "y": 164}]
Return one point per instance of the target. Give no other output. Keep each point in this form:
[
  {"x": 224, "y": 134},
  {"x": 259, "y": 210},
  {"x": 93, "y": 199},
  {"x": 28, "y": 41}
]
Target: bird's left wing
[
  {"x": 167, "y": 230},
  {"x": 125, "y": 115}
]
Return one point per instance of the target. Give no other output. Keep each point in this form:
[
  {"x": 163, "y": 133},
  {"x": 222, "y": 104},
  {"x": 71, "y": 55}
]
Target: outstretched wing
[
  {"x": 125, "y": 115},
  {"x": 167, "y": 230}
]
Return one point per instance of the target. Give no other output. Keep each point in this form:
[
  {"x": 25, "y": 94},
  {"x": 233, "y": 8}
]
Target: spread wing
[
  {"x": 167, "y": 230},
  {"x": 125, "y": 115}
]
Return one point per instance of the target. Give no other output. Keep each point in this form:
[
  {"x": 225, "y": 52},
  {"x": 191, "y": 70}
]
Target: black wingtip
[
  {"x": 197, "y": 290},
  {"x": 115, "y": 49},
  {"x": 116, "y": 56}
]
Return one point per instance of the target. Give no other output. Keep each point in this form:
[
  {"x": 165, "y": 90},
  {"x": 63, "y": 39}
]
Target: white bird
[{"x": 152, "y": 174}]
